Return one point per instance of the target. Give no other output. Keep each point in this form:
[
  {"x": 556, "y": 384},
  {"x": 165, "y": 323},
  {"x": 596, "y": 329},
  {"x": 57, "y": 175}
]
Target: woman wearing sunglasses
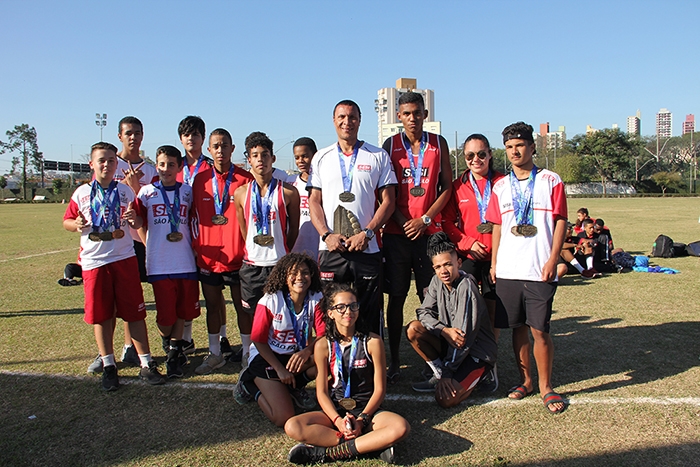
[{"x": 350, "y": 388}]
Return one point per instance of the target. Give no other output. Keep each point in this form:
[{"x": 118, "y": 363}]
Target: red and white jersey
[
  {"x": 307, "y": 241},
  {"x": 96, "y": 254},
  {"x": 205, "y": 166},
  {"x": 150, "y": 175},
  {"x": 522, "y": 258},
  {"x": 219, "y": 248},
  {"x": 272, "y": 323},
  {"x": 163, "y": 256},
  {"x": 411, "y": 206},
  {"x": 259, "y": 255},
  {"x": 372, "y": 172},
  {"x": 460, "y": 216}
]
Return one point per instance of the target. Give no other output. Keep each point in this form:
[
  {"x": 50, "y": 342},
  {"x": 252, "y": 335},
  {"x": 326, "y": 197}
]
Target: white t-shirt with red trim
[
  {"x": 307, "y": 241},
  {"x": 259, "y": 255},
  {"x": 150, "y": 175}
]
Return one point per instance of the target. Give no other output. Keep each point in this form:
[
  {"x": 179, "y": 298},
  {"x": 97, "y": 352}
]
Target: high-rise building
[
  {"x": 664, "y": 124},
  {"x": 634, "y": 125},
  {"x": 387, "y": 106},
  {"x": 550, "y": 139},
  {"x": 689, "y": 124}
]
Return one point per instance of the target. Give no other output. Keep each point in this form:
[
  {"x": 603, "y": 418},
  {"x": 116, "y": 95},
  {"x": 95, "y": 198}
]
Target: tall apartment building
[
  {"x": 664, "y": 124},
  {"x": 551, "y": 139},
  {"x": 634, "y": 125},
  {"x": 689, "y": 124},
  {"x": 387, "y": 105}
]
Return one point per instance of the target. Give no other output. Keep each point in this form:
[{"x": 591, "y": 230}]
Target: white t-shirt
[
  {"x": 522, "y": 258},
  {"x": 259, "y": 255},
  {"x": 373, "y": 170},
  {"x": 280, "y": 174},
  {"x": 150, "y": 175},
  {"x": 163, "y": 256},
  {"x": 307, "y": 241}
]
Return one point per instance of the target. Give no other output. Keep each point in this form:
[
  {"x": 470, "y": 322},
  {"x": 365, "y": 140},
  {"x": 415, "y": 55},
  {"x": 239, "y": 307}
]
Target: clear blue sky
[{"x": 280, "y": 66}]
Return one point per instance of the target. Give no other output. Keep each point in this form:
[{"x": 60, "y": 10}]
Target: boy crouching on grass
[
  {"x": 100, "y": 211},
  {"x": 165, "y": 207}
]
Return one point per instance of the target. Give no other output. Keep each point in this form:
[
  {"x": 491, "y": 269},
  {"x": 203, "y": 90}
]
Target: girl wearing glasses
[
  {"x": 281, "y": 357},
  {"x": 350, "y": 387}
]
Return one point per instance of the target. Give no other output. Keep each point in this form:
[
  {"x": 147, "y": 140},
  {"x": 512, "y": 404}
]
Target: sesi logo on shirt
[{"x": 364, "y": 167}]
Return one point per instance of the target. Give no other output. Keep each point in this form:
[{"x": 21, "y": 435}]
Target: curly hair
[
  {"x": 329, "y": 293},
  {"x": 258, "y": 138},
  {"x": 290, "y": 264}
]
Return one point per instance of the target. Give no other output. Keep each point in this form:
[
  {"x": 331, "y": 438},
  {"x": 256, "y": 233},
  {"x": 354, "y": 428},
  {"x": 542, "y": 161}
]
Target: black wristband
[{"x": 325, "y": 236}]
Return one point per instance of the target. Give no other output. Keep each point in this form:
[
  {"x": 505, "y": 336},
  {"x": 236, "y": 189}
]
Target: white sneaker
[{"x": 211, "y": 362}]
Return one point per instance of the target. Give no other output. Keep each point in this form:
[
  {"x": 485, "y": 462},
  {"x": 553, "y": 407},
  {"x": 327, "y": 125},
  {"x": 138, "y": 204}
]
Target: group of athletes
[{"x": 307, "y": 259}]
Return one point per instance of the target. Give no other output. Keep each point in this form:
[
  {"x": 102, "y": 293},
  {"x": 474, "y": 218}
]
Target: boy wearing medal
[
  {"x": 268, "y": 217},
  {"x": 350, "y": 178},
  {"x": 165, "y": 208},
  {"x": 307, "y": 240},
  {"x": 528, "y": 212},
  {"x": 101, "y": 211},
  {"x": 421, "y": 161},
  {"x": 218, "y": 244}
]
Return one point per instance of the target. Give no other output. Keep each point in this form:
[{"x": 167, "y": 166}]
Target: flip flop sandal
[
  {"x": 521, "y": 392},
  {"x": 553, "y": 398}
]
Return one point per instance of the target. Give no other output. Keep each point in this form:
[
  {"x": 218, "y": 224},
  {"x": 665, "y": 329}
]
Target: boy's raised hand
[{"x": 81, "y": 222}]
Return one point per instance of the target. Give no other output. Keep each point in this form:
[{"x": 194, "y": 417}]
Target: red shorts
[
  {"x": 114, "y": 289},
  {"x": 176, "y": 298}
]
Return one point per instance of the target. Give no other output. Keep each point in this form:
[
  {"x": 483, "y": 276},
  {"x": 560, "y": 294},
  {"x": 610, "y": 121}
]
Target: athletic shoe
[
  {"x": 489, "y": 383},
  {"x": 588, "y": 273},
  {"x": 301, "y": 398},
  {"x": 130, "y": 356},
  {"x": 64, "y": 282},
  {"x": 427, "y": 372},
  {"x": 96, "y": 366},
  {"x": 226, "y": 349},
  {"x": 110, "y": 378},
  {"x": 425, "y": 386},
  {"x": 165, "y": 341},
  {"x": 244, "y": 360},
  {"x": 236, "y": 357},
  {"x": 240, "y": 393},
  {"x": 188, "y": 348},
  {"x": 387, "y": 455},
  {"x": 596, "y": 273},
  {"x": 151, "y": 375},
  {"x": 306, "y": 454},
  {"x": 211, "y": 362},
  {"x": 173, "y": 364}
]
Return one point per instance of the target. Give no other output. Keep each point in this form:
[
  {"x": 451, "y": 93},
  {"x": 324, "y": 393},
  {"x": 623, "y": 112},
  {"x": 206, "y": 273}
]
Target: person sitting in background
[
  {"x": 581, "y": 215},
  {"x": 70, "y": 273},
  {"x": 569, "y": 262}
]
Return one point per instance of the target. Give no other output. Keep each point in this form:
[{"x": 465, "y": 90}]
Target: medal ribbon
[
  {"x": 186, "y": 171},
  {"x": 174, "y": 210},
  {"x": 261, "y": 206},
  {"x": 339, "y": 364},
  {"x": 347, "y": 174},
  {"x": 416, "y": 167},
  {"x": 301, "y": 335},
  {"x": 220, "y": 202},
  {"x": 522, "y": 200},
  {"x": 482, "y": 202},
  {"x": 100, "y": 199}
]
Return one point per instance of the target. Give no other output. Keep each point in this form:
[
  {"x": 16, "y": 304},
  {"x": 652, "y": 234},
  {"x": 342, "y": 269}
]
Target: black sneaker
[
  {"x": 172, "y": 364},
  {"x": 110, "y": 379},
  {"x": 306, "y": 454},
  {"x": 188, "y": 348},
  {"x": 301, "y": 398},
  {"x": 151, "y": 375},
  {"x": 165, "y": 341},
  {"x": 240, "y": 393},
  {"x": 226, "y": 349},
  {"x": 489, "y": 383},
  {"x": 64, "y": 282},
  {"x": 236, "y": 357},
  {"x": 130, "y": 356}
]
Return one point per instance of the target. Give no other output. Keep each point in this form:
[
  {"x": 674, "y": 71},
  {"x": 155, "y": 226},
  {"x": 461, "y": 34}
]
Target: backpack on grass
[
  {"x": 679, "y": 249},
  {"x": 663, "y": 247},
  {"x": 693, "y": 248}
]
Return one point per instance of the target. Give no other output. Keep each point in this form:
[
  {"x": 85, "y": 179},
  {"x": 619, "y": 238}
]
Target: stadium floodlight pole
[{"x": 101, "y": 121}]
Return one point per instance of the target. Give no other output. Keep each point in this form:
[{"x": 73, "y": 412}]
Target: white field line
[
  {"x": 38, "y": 254},
  {"x": 487, "y": 401}
]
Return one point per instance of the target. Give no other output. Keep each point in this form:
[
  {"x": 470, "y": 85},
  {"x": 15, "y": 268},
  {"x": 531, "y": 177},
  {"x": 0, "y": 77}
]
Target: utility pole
[
  {"x": 100, "y": 121},
  {"x": 456, "y": 152}
]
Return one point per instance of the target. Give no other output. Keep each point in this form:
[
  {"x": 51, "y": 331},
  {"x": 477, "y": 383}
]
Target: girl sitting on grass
[{"x": 352, "y": 421}]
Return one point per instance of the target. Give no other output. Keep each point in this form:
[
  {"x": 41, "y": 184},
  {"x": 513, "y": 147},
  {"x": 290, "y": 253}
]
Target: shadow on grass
[
  {"x": 587, "y": 349},
  {"x": 22, "y": 314}
]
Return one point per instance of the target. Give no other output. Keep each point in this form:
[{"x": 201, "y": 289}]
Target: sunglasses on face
[
  {"x": 482, "y": 155},
  {"x": 342, "y": 308}
]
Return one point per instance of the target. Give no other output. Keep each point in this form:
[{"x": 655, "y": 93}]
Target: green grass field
[{"x": 627, "y": 349}]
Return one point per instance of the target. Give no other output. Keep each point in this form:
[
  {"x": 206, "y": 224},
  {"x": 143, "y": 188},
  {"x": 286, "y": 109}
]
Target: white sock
[
  {"x": 214, "y": 344},
  {"x": 245, "y": 343},
  {"x": 222, "y": 331},
  {"x": 108, "y": 360},
  {"x": 589, "y": 262},
  {"x": 187, "y": 331},
  {"x": 576, "y": 264},
  {"x": 127, "y": 346},
  {"x": 436, "y": 366},
  {"x": 145, "y": 360}
]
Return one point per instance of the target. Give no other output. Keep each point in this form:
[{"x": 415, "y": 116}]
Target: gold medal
[
  {"x": 94, "y": 236},
  {"x": 264, "y": 240},
  {"x": 118, "y": 233},
  {"x": 347, "y": 403},
  {"x": 346, "y": 197},
  {"x": 106, "y": 236},
  {"x": 219, "y": 219},
  {"x": 174, "y": 237},
  {"x": 485, "y": 227},
  {"x": 516, "y": 231},
  {"x": 417, "y": 191},
  {"x": 527, "y": 230}
]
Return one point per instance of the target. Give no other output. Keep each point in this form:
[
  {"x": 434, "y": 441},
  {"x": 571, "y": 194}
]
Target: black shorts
[
  {"x": 470, "y": 372},
  {"x": 253, "y": 280},
  {"x": 218, "y": 278},
  {"x": 140, "y": 250},
  {"x": 259, "y": 368},
  {"x": 364, "y": 272},
  {"x": 524, "y": 302},
  {"x": 401, "y": 256},
  {"x": 481, "y": 270}
]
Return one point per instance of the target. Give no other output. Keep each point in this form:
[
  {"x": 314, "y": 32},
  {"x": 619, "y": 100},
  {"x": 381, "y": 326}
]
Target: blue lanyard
[
  {"x": 416, "y": 168},
  {"x": 220, "y": 202},
  {"x": 100, "y": 200},
  {"x": 261, "y": 206},
  {"x": 300, "y": 335},
  {"x": 347, "y": 174},
  {"x": 522, "y": 200},
  {"x": 186, "y": 171},
  {"x": 482, "y": 202},
  {"x": 174, "y": 210},
  {"x": 339, "y": 364}
]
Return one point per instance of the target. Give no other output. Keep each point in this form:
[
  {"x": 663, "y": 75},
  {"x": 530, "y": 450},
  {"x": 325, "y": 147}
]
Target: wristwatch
[
  {"x": 369, "y": 233},
  {"x": 426, "y": 219}
]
